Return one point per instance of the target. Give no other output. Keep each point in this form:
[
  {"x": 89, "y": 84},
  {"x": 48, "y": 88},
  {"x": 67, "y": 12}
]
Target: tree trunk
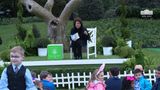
[{"x": 56, "y": 25}]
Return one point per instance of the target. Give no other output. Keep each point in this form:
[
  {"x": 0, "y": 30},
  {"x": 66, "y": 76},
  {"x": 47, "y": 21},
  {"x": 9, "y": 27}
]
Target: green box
[{"x": 55, "y": 51}]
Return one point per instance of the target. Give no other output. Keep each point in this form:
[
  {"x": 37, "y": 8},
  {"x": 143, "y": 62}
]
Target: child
[
  {"x": 36, "y": 81},
  {"x": 96, "y": 81},
  {"x": 156, "y": 86},
  {"x": 114, "y": 82},
  {"x": 140, "y": 82},
  {"x": 138, "y": 67},
  {"x": 128, "y": 83},
  {"x": 47, "y": 80},
  {"x": 16, "y": 76},
  {"x": 38, "y": 84}
]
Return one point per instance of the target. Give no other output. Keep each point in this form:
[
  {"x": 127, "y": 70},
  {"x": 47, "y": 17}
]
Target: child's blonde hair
[
  {"x": 17, "y": 49},
  {"x": 94, "y": 76}
]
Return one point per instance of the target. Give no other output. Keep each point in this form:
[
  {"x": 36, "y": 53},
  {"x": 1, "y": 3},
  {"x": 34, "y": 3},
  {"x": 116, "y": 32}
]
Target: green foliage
[
  {"x": 29, "y": 39},
  {"x": 42, "y": 42},
  {"x": 123, "y": 14},
  {"x": 139, "y": 55},
  {"x": 121, "y": 42},
  {"x": 128, "y": 65},
  {"x": 5, "y": 55},
  {"x": 131, "y": 11},
  {"x": 149, "y": 63},
  {"x": 29, "y": 44},
  {"x": 111, "y": 13},
  {"x": 109, "y": 38},
  {"x": 1, "y": 70},
  {"x": 0, "y": 40},
  {"x": 35, "y": 31},
  {"x": 91, "y": 10},
  {"x": 19, "y": 12},
  {"x": 125, "y": 33},
  {"x": 21, "y": 31},
  {"x": 124, "y": 52},
  {"x": 156, "y": 12}
]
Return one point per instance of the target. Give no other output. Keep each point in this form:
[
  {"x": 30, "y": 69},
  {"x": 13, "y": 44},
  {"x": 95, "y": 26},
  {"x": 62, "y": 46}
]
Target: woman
[{"x": 79, "y": 37}]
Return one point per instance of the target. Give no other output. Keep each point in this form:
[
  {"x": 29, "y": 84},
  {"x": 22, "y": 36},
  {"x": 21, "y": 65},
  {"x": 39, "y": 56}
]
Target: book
[{"x": 75, "y": 36}]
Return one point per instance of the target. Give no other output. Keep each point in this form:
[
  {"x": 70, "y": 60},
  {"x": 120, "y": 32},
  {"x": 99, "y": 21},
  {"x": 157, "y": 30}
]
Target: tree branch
[
  {"x": 67, "y": 11},
  {"x": 49, "y": 5},
  {"x": 38, "y": 10}
]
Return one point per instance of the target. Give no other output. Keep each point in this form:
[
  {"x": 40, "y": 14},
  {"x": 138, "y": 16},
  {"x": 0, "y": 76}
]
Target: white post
[
  {"x": 62, "y": 79},
  {"x": 78, "y": 79},
  {"x": 57, "y": 80},
  {"x": 84, "y": 75},
  {"x": 150, "y": 76},
  {"x": 69, "y": 85},
  {"x": 154, "y": 72},
  {"x": 73, "y": 87}
]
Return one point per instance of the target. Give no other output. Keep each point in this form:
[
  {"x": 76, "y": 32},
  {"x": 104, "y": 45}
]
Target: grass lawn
[
  {"x": 153, "y": 53},
  {"x": 67, "y": 57}
]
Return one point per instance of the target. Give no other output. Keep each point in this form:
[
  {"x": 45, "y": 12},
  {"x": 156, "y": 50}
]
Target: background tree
[
  {"x": 91, "y": 10},
  {"x": 21, "y": 34},
  {"x": 56, "y": 25},
  {"x": 0, "y": 40}
]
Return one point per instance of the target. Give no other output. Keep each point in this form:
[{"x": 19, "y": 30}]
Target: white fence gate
[{"x": 72, "y": 80}]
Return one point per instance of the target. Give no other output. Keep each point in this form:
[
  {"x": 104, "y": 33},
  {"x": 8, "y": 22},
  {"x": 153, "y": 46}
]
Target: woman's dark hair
[
  {"x": 79, "y": 20},
  {"x": 126, "y": 84}
]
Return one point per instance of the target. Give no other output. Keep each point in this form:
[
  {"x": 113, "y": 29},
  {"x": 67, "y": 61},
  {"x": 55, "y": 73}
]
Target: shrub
[
  {"x": 128, "y": 65},
  {"x": 121, "y": 42},
  {"x": 21, "y": 33},
  {"x": 29, "y": 44},
  {"x": 139, "y": 55},
  {"x": 108, "y": 41},
  {"x": 29, "y": 40},
  {"x": 0, "y": 40},
  {"x": 156, "y": 13},
  {"x": 131, "y": 52},
  {"x": 35, "y": 31},
  {"x": 5, "y": 55},
  {"x": 111, "y": 13},
  {"x": 42, "y": 42},
  {"x": 149, "y": 63},
  {"x": 109, "y": 38},
  {"x": 124, "y": 52},
  {"x": 121, "y": 51},
  {"x": 131, "y": 11}
]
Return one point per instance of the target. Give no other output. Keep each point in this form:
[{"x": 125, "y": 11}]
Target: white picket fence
[{"x": 74, "y": 80}]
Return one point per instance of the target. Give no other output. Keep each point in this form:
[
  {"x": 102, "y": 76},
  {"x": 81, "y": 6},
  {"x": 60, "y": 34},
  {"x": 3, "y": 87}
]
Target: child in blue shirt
[
  {"x": 140, "y": 82},
  {"x": 47, "y": 80}
]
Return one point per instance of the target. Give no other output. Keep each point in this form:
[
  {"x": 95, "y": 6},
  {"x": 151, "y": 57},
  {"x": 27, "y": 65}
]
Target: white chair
[{"x": 90, "y": 44}]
